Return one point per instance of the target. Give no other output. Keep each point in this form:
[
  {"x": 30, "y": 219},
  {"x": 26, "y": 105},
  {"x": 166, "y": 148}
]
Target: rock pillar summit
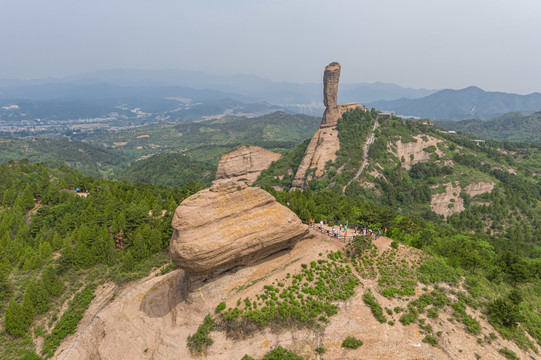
[
  {"x": 325, "y": 143},
  {"x": 331, "y": 76}
]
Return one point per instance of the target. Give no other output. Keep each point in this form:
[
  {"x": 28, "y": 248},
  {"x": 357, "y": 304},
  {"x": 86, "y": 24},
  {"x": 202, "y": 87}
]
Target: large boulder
[
  {"x": 228, "y": 225},
  {"x": 245, "y": 163}
]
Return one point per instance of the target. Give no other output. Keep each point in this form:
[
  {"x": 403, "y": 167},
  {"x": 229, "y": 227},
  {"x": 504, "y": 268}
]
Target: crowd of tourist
[{"x": 347, "y": 231}]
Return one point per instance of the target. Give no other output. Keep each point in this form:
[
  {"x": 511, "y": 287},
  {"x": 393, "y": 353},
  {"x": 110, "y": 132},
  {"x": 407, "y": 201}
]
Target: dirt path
[{"x": 366, "y": 147}]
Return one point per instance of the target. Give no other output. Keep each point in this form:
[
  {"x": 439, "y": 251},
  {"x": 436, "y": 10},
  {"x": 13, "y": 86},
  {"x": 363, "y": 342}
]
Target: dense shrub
[
  {"x": 377, "y": 311},
  {"x": 280, "y": 353},
  {"x": 351, "y": 343}
]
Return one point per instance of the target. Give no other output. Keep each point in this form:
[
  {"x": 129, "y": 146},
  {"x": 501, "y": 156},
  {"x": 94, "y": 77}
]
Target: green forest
[{"x": 58, "y": 244}]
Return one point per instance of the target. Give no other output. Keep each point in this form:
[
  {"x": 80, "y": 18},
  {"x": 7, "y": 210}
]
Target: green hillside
[
  {"x": 174, "y": 170},
  {"x": 129, "y": 154},
  {"x": 509, "y": 127},
  {"x": 90, "y": 159},
  {"x": 451, "y": 166},
  {"x": 208, "y": 140}
]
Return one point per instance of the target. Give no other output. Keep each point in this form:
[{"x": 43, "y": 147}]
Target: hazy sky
[{"x": 494, "y": 44}]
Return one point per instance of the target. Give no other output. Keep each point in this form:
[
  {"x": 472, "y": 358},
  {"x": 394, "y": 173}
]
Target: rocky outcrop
[
  {"x": 331, "y": 76},
  {"x": 448, "y": 202},
  {"x": 321, "y": 149},
  {"x": 413, "y": 152},
  {"x": 245, "y": 163},
  {"x": 479, "y": 188},
  {"x": 229, "y": 225},
  {"x": 325, "y": 143}
]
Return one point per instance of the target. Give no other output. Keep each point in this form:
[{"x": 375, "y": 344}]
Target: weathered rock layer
[
  {"x": 321, "y": 149},
  {"x": 229, "y": 225},
  {"x": 245, "y": 163}
]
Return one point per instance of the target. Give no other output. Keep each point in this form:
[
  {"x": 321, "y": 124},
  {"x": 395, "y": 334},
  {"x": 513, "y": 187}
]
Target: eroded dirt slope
[{"x": 152, "y": 318}]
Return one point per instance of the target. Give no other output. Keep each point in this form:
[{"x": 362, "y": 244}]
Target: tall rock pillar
[{"x": 330, "y": 94}]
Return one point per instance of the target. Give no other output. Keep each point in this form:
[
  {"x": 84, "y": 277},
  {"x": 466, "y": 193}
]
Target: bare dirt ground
[{"x": 151, "y": 318}]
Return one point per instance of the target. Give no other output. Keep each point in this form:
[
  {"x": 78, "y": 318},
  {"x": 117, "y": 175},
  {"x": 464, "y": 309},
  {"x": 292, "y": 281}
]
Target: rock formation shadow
[{"x": 166, "y": 294}]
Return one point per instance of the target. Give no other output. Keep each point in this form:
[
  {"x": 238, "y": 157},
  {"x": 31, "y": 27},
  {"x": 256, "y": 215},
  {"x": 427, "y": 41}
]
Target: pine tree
[
  {"x": 128, "y": 262},
  {"x": 103, "y": 248},
  {"x": 51, "y": 281},
  {"x": 5, "y": 286},
  {"x": 68, "y": 253},
  {"x": 138, "y": 249},
  {"x": 14, "y": 322},
  {"x": 56, "y": 242},
  {"x": 45, "y": 250},
  {"x": 38, "y": 295},
  {"x": 155, "y": 241},
  {"x": 28, "y": 311}
]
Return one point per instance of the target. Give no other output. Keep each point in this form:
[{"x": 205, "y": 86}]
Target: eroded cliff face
[
  {"x": 245, "y": 163},
  {"x": 325, "y": 143},
  {"x": 229, "y": 225},
  {"x": 331, "y": 76},
  {"x": 321, "y": 149}
]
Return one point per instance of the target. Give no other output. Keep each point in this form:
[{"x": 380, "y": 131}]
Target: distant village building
[
  {"x": 451, "y": 132},
  {"x": 479, "y": 142},
  {"x": 387, "y": 115},
  {"x": 350, "y": 106},
  {"x": 10, "y": 107}
]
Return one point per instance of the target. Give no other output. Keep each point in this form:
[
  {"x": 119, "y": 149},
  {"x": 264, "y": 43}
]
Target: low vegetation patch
[
  {"x": 352, "y": 343},
  {"x": 306, "y": 302},
  {"x": 200, "y": 341},
  {"x": 68, "y": 322},
  {"x": 375, "y": 307},
  {"x": 280, "y": 353}
]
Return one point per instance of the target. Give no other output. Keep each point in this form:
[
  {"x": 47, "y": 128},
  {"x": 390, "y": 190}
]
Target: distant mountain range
[
  {"x": 249, "y": 87},
  {"x": 468, "y": 103},
  {"x": 508, "y": 127},
  {"x": 150, "y": 90}
]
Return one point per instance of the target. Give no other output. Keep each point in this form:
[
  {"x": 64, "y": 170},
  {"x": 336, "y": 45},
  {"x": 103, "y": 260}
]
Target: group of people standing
[{"x": 343, "y": 230}]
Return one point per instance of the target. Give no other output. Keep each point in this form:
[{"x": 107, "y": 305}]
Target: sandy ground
[{"x": 151, "y": 318}]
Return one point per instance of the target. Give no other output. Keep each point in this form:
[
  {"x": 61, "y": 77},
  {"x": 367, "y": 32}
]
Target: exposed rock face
[
  {"x": 325, "y": 143},
  {"x": 413, "y": 152},
  {"x": 448, "y": 202},
  {"x": 321, "y": 149},
  {"x": 245, "y": 163},
  {"x": 331, "y": 76},
  {"x": 479, "y": 188},
  {"x": 229, "y": 225}
]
